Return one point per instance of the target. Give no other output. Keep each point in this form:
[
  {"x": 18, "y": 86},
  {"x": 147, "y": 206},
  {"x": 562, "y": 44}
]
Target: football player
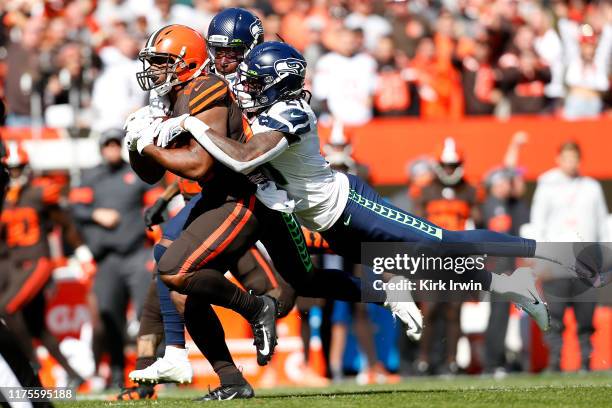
[
  {"x": 186, "y": 266},
  {"x": 32, "y": 207},
  {"x": 229, "y": 220},
  {"x": 233, "y": 32},
  {"x": 448, "y": 201},
  {"x": 174, "y": 65},
  {"x": 345, "y": 209}
]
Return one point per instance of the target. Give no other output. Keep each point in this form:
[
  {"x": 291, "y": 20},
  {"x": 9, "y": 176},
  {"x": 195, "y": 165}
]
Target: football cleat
[
  {"x": 407, "y": 311},
  {"x": 139, "y": 392},
  {"x": 520, "y": 289},
  {"x": 174, "y": 367},
  {"x": 229, "y": 392},
  {"x": 264, "y": 330}
]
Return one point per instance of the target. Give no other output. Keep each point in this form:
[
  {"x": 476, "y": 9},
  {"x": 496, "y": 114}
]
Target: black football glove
[{"x": 154, "y": 215}]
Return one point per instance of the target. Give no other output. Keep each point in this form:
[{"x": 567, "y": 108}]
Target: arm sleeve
[{"x": 199, "y": 130}]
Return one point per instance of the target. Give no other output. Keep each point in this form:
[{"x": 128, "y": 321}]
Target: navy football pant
[
  {"x": 174, "y": 324},
  {"x": 368, "y": 218}
]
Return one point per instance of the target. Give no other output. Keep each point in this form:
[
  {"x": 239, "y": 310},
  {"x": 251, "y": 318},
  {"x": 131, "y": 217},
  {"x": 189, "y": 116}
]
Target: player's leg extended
[
  {"x": 368, "y": 218},
  {"x": 283, "y": 238},
  {"x": 195, "y": 263}
]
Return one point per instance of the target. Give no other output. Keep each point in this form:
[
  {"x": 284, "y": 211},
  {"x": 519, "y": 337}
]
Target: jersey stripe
[
  {"x": 206, "y": 92},
  {"x": 35, "y": 281},
  {"x": 216, "y": 242},
  {"x": 209, "y": 100},
  {"x": 265, "y": 266}
]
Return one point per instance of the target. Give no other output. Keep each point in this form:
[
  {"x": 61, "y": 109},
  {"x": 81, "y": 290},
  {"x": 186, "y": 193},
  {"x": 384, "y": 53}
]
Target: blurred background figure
[
  {"x": 23, "y": 75},
  {"x": 345, "y": 79},
  {"x": 351, "y": 317},
  {"x": 448, "y": 201},
  {"x": 108, "y": 205},
  {"x": 503, "y": 210},
  {"x": 31, "y": 211},
  {"x": 569, "y": 207},
  {"x": 587, "y": 75}
]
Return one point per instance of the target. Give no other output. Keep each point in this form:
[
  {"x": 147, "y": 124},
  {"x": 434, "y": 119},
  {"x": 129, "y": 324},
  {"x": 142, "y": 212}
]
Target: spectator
[
  {"x": 394, "y": 95},
  {"x": 523, "y": 75},
  {"x": 448, "y": 201},
  {"x": 587, "y": 78},
  {"x": 568, "y": 207},
  {"x": 115, "y": 92},
  {"x": 344, "y": 79},
  {"x": 478, "y": 80},
  {"x": 23, "y": 75},
  {"x": 373, "y": 26},
  {"x": 108, "y": 205},
  {"x": 548, "y": 46},
  {"x": 437, "y": 82}
]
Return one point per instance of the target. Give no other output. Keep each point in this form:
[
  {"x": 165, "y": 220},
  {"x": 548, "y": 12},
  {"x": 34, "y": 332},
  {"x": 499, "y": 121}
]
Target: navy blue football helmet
[
  {"x": 234, "y": 28},
  {"x": 272, "y": 71}
]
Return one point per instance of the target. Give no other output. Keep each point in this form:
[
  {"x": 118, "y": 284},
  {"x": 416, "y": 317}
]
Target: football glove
[
  {"x": 147, "y": 135},
  {"x": 169, "y": 130},
  {"x": 154, "y": 215},
  {"x": 88, "y": 265},
  {"x": 140, "y": 119}
]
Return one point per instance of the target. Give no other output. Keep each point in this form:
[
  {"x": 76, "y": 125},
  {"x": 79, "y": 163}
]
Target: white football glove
[
  {"x": 138, "y": 120},
  {"x": 147, "y": 135},
  {"x": 169, "y": 130},
  {"x": 160, "y": 104},
  {"x": 130, "y": 140}
]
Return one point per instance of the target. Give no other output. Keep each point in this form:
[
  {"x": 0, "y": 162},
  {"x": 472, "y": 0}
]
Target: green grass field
[{"x": 524, "y": 391}]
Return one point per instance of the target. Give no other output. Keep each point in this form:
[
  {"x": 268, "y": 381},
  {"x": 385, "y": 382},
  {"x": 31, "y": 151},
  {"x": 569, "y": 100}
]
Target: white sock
[{"x": 176, "y": 353}]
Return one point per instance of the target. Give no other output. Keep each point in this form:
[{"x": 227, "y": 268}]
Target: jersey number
[{"x": 22, "y": 227}]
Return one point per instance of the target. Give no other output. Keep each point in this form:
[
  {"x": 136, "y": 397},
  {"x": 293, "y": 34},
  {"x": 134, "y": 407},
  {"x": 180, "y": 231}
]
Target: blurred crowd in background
[{"x": 70, "y": 63}]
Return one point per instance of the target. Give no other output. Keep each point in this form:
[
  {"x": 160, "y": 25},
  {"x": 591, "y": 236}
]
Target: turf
[{"x": 524, "y": 391}]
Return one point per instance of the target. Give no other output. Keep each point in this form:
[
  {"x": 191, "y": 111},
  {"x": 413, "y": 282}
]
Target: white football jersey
[{"x": 320, "y": 193}]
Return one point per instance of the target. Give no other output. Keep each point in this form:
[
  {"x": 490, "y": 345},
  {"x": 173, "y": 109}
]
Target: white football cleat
[
  {"x": 520, "y": 289},
  {"x": 407, "y": 311},
  {"x": 174, "y": 367}
]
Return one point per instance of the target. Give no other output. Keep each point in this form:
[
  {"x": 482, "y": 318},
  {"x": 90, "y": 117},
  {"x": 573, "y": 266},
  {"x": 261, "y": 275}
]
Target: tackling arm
[{"x": 240, "y": 157}]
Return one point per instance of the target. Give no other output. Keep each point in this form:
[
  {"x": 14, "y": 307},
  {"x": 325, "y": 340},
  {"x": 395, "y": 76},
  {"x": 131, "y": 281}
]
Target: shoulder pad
[{"x": 286, "y": 117}]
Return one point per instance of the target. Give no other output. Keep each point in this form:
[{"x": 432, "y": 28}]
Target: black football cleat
[
  {"x": 229, "y": 392},
  {"x": 264, "y": 330},
  {"x": 139, "y": 392}
]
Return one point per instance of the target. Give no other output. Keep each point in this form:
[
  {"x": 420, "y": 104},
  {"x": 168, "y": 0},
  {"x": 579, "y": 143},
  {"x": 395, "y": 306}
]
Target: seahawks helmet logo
[
  {"x": 292, "y": 66},
  {"x": 256, "y": 29}
]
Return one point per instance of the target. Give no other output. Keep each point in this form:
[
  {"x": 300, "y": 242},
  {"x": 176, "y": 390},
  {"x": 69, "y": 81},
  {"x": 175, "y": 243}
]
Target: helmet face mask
[
  {"x": 232, "y": 29},
  {"x": 249, "y": 88},
  {"x": 272, "y": 72},
  {"x": 174, "y": 54},
  {"x": 226, "y": 59},
  {"x": 159, "y": 71}
]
